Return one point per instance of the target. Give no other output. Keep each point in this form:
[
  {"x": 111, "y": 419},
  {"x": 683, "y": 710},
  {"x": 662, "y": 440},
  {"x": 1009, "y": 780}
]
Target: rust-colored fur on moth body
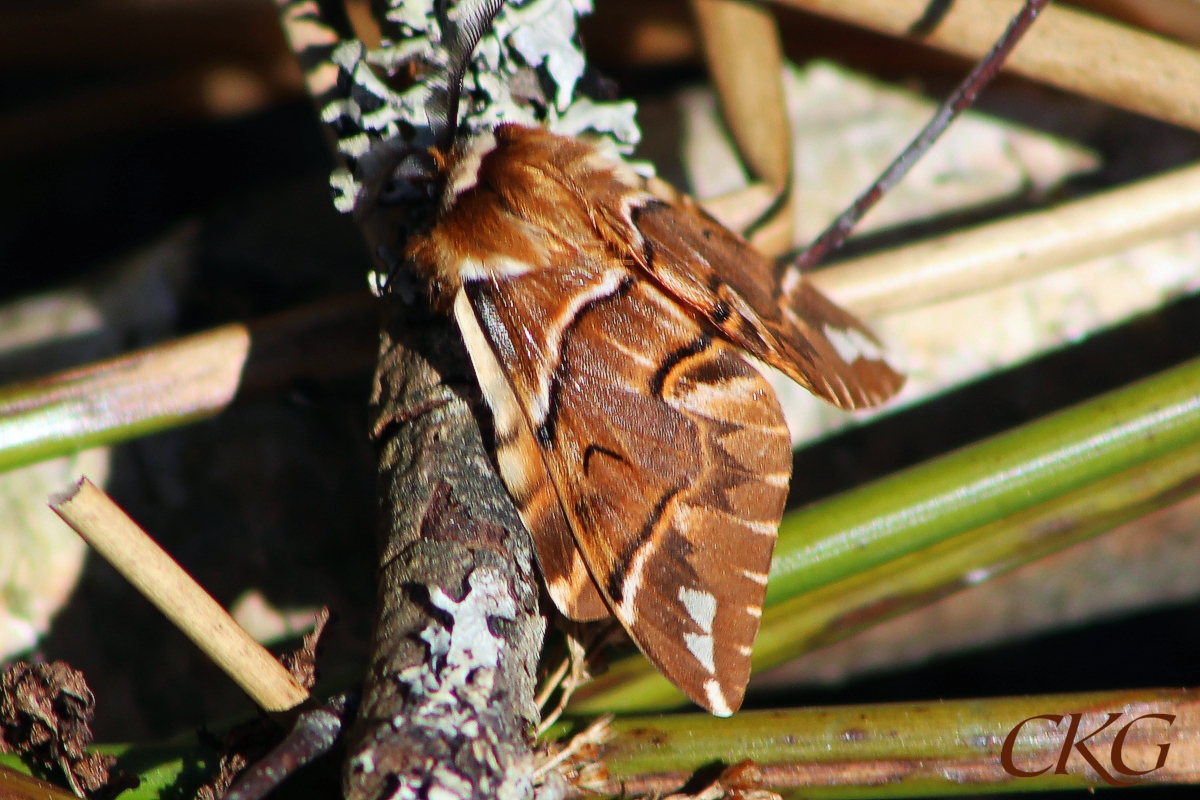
[
  {"x": 519, "y": 198},
  {"x": 606, "y": 317}
]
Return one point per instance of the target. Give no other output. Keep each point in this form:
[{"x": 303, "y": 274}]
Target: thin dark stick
[
  {"x": 313, "y": 735},
  {"x": 935, "y": 12},
  {"x": 954, "y": 105}
]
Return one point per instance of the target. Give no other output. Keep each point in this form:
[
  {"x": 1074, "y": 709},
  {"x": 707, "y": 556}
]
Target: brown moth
[{"x": 608, "y": 318}]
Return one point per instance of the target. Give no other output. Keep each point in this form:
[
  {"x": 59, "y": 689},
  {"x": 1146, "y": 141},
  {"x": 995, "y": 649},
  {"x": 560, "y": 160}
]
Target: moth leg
[
  {"x": 314, "y": 734},
  {"x": 583, "y": 641},
  {"x": 961, "y": 99}
]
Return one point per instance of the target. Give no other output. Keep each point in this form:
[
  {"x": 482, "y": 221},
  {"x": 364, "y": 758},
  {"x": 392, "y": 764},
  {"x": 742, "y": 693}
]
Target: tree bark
[{"x": 447, "y": 707}]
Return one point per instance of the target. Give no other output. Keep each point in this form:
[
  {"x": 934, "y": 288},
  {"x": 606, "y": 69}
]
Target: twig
[
  {"x": 1070, "y": 49},
  {"x": 552, "y": 682},
  {"x": 184, "y": 380},
  {"x": 568, "y": 682},
  {"x": 104, "y": 526},
  {"x": 596, "y": 733},
  {"x": 959, "y": 100},
  {"x": 314, "y": 734},
  {"x": 938, "y": 748},
  {"x": 448, "y": 699}
]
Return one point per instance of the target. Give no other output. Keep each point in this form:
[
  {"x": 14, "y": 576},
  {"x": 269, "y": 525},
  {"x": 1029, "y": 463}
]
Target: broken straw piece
[{"x": 116, "y": 537}]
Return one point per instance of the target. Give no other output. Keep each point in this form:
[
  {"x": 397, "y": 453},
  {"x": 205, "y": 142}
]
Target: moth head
[
  {"x": 414, "y": 170},
  {"x": 396, "y": 172}
]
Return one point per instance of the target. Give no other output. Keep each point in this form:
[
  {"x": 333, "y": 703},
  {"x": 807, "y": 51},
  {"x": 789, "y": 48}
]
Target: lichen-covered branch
[
  {"x": 528, "y": 68},
  {"x": 448, "y": 703},
  {"x": 447, "y": 706}
]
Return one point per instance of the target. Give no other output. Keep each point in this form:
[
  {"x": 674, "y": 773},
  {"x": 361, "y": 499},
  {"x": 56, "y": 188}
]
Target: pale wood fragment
[
  {"x": 745, "y": 60},
  {"x": 1067, "y": 48},
  {"x": 1002, "y": 252},
  {"x": 1178, "y": 19},
  {"x": 116, "y": 537}
]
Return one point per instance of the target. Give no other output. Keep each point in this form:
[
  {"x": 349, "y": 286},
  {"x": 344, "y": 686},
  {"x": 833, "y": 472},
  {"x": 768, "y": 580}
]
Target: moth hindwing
[{"x": 606, "y": 319}]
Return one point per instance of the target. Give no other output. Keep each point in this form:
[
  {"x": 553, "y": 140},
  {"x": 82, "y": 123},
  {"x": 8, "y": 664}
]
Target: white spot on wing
[
  {"x": 761, "y": 528},
  {"x": 716, "y": 699},
  {"x": 701, "y": 607},
  {"x": 691, "y": 517},
  {"x": 702, "y": 648},
  {"x": 852, "y": 345},
  {"x": 776, "y": 478},
  {"x": 758, "y": 577}
]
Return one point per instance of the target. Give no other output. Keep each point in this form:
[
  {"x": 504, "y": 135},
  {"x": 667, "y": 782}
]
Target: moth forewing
[
  {"x": 771, "y": 312},
  {"x": 648, "y": 458},
  {"x": 524, "y": 474},
  {"x": 669, "y": 456}
]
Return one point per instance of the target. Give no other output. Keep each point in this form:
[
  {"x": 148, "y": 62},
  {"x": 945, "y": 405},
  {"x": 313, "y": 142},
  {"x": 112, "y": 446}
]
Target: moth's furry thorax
[{"x": 514, "y": 200}]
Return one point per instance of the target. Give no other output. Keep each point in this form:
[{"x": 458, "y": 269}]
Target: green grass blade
[
  {"x": 971, "y": 487},
  {"x": 122, "y": 398},
  {"x": 906, "y": 749},
  {"x": 184, "y": 380},
  {"x": 164, "y": 770},
  {"x": 841, "y": 609}
]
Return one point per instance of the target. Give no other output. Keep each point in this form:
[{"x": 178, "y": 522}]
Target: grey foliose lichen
[{"x": 527, "y": 68}]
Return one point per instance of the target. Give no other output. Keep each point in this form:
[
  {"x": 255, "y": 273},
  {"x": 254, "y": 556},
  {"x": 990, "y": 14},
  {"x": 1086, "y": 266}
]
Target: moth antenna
[
  {"x": 459, "y": 38},
  {"x": 963, "y": 96}
]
